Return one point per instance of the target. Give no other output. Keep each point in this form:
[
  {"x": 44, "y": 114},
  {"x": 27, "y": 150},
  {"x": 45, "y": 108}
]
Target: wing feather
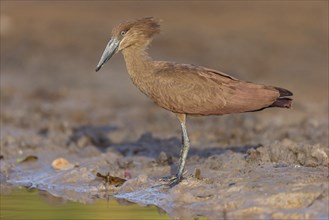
[{"x": 190, "y": 89}]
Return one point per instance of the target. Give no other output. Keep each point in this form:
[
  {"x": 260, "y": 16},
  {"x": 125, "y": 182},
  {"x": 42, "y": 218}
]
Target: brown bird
[{"x": 182, "y": 88}]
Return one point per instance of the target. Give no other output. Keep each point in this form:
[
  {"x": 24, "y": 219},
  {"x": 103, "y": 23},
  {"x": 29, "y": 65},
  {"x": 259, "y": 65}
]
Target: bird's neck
[{"x": 139, "y": 64}]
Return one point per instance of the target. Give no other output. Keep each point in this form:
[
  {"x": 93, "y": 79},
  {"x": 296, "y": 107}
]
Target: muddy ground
[{"x": 269, "y": 164}]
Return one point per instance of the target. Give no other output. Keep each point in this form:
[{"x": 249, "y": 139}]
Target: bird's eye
[{"x": 123, "y": 33}]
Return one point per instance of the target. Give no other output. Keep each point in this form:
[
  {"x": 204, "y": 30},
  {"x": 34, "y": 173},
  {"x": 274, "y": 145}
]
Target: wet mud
[{"x": 83, "y": 136}]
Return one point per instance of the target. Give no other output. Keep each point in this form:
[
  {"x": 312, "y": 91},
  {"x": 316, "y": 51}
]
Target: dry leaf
[
  {"x": 112, "y": 180},
  {"x": 27, "y": 159}
]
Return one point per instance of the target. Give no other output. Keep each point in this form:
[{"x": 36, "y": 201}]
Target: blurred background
[{"x": 49, "y": 51}]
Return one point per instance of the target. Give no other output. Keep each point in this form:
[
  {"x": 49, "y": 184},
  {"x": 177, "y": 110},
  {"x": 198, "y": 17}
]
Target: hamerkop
[{"x": 182, "y": 88}]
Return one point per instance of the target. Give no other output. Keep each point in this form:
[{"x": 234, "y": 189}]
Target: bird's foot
[
  {"x": 167, "y": 178},
  {"x": 170, "y": 180}
]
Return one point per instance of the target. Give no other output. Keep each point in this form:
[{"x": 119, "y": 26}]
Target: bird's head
[{"x": 130, "y": 34}]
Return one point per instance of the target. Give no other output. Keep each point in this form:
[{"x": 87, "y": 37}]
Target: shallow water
[{"x": 35, "y": 204}]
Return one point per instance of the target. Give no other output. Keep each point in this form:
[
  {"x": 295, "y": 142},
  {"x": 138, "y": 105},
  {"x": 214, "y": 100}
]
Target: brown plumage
[{"x": 186, "y": 89}]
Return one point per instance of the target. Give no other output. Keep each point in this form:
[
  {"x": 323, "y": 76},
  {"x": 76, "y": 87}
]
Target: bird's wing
[
  {"x": 242, "y": 96},
  {"x": 218, "y": 73},
  {"x": 189, "y": 89},
  {"x": 200, "y": 90}
]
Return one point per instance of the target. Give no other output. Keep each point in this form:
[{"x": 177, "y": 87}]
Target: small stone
[
  {"x": 197, "y": 174},
  {"x": 61, "y": 164}
]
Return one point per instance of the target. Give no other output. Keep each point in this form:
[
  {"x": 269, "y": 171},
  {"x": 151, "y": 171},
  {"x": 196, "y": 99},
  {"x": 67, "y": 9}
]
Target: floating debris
[
  {"x": 111, "y": 180},
  {"x": 61, "y": 164},
  {"x": 27, "y": 159}
]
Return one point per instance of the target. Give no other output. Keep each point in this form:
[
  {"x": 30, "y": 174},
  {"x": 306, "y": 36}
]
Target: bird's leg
[
  {"x": 183, "y": 153},
  {"x": 185, "y": 147}
]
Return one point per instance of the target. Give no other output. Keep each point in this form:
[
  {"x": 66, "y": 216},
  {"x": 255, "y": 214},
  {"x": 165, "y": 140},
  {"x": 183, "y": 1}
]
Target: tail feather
[
  {"x": 283, "y": 92},
  {"x": 282, "y": 103}
]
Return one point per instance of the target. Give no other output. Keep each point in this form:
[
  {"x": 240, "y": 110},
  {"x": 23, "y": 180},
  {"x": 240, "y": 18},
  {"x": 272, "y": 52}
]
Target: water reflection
[{"x": 35, "y": 204}]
